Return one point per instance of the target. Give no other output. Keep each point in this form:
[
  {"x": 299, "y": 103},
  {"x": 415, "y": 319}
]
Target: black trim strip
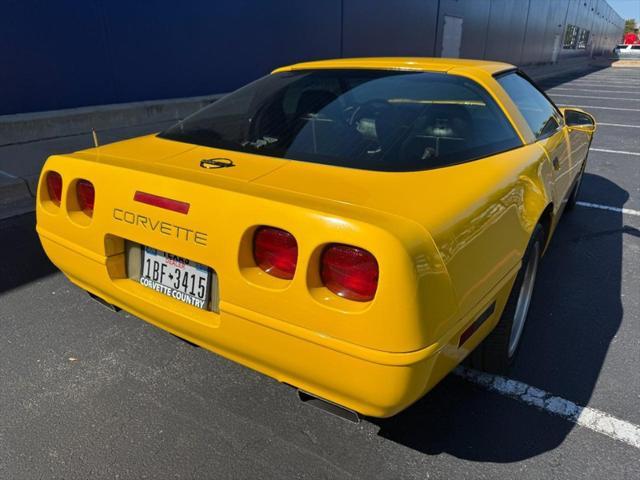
[{"x": 502, "y": 73}]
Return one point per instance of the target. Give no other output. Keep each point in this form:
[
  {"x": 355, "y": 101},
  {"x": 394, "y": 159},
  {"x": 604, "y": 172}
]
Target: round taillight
[
  {"x": 54, "y": 187},
  {"x": 86, "y": 196},
  {"x": 275, "y": 251},
  {"x": 350, "y": 272}
]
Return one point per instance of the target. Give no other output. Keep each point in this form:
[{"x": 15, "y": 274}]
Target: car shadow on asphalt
[
  {"x": 22, "y": 259},
  {"x": 575, "y": 314},
  {"x": 559, "y": 80}
]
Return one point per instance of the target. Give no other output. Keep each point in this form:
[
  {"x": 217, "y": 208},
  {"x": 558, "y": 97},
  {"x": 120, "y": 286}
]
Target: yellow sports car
[{"x": 354, "y": 228}]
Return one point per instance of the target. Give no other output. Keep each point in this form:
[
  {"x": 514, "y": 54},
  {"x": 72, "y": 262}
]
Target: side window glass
[{"x": 538, "y": 112}]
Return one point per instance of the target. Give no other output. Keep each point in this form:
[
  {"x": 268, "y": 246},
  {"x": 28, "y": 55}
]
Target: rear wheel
[{"x": 498, "y": 350}]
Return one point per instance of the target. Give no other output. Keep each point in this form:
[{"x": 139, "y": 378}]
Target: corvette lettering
[{"x": 160, "y": 226}]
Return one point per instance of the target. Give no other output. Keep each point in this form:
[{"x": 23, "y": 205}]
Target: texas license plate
[{"x": 176, "y": 277}]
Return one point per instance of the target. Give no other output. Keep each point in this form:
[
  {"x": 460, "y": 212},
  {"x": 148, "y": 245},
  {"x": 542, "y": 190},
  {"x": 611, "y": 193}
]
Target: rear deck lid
[{"x": 157, "y": 155}]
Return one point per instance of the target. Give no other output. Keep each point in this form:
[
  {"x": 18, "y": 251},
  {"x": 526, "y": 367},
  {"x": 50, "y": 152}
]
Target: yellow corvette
[{"x": 354, "y": 228}]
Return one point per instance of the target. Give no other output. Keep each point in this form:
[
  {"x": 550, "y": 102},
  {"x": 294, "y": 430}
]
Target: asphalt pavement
[{"x": 89, "y": 393}]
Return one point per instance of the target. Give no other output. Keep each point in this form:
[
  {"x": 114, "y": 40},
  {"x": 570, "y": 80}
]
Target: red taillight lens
[
  {"x": 350, "y": 272},
  {"x": 54, "y": 187},
  {"x": 86, "y": 196},
  {"x": 275, "y": 251}
]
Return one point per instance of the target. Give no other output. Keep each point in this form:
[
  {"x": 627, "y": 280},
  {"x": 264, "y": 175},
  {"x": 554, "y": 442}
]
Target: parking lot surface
[{"x": 89, "y": 393}]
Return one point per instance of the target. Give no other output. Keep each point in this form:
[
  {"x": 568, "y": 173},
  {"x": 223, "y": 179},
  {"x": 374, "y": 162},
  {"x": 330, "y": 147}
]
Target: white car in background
[{"x": 629, "y": 52}]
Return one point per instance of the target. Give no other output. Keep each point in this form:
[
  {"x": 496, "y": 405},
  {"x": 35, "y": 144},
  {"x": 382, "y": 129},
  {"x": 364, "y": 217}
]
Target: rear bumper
[{"x": 371, "y": 382}]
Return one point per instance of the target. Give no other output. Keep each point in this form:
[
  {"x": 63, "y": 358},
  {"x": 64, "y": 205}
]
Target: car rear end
[
  {"x": 319, "y": 295},
  {"x": 305, "y": 225}
]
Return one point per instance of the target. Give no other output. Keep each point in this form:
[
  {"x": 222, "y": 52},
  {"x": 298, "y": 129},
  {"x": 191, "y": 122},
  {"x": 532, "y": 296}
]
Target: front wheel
[{"x": 497, "y": 352}]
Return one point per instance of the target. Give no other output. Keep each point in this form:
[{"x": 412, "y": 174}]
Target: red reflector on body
[
  {"x": 471, "y": 329},
  {"x": 162, "y": 202}
]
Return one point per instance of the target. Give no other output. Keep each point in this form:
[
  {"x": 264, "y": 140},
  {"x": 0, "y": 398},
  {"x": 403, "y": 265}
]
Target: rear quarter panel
[{"x": 479, "y": 214}]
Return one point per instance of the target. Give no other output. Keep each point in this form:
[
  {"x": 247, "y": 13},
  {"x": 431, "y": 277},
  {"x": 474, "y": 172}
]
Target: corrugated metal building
[{"x": 67, "y": 53}]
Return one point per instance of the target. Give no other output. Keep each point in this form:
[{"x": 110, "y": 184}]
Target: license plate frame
[{"x": 182, "y": 279}]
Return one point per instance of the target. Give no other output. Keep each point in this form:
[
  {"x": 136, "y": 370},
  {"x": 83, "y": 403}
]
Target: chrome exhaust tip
[
  {"x": 104, "y": 303},
  {"x": 329, "y": 407}
]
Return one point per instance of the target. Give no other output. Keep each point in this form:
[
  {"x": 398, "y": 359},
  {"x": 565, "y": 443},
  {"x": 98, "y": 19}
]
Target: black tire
[
  {"x": 573, "y": 198},
  {"x": 497, "y": 352}
]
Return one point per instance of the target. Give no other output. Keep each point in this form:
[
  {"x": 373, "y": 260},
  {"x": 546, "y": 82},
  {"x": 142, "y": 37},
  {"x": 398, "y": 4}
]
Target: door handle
[{"x": 556, "y": 163}]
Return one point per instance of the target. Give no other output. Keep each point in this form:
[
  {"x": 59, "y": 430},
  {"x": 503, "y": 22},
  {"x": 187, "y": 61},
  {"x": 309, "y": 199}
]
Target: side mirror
[{"x": 577, "y": 119}]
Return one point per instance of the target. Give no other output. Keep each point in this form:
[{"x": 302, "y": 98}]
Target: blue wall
[{"x": 66, "y": 53}]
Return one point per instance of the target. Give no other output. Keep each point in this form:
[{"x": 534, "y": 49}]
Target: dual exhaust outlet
[{"x": 329, "y": 407}]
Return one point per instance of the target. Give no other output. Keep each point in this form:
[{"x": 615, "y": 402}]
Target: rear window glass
[{"x": 367, "y": 119}]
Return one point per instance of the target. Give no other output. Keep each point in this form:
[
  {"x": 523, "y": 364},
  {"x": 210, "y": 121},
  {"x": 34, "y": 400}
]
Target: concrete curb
[
  {"x": 546, "y": 71},
  {"x": 28, "y": 127},
  {"x": 15, "y": 196},
  {"x": 12, "y": 188},
  {"x": 623, "y": 63}
]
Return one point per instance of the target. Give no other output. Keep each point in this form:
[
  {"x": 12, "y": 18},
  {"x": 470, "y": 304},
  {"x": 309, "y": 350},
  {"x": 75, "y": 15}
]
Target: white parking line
[
  {"x": 608, "y": 78},
  {"x": 602, "y": 81},
  {"x": 626, "y": 211},
  {"x": 612, "y": 77},
  {"x": 603, "y": 108},
  {"x": 617, "y": 74},
  {"x": 591, "y": 90},
  {"x": 592, "y": 96},
  {"x": 617, "y": 125},
  {"x": 603, "y": 84},
  {"x": 621, "y": 152},
  {"x": 587, "y": 417},
  {"x": 595, "y": 75}
]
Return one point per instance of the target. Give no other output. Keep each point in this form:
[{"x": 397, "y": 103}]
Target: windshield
[{"x": 367, "y": 119}]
